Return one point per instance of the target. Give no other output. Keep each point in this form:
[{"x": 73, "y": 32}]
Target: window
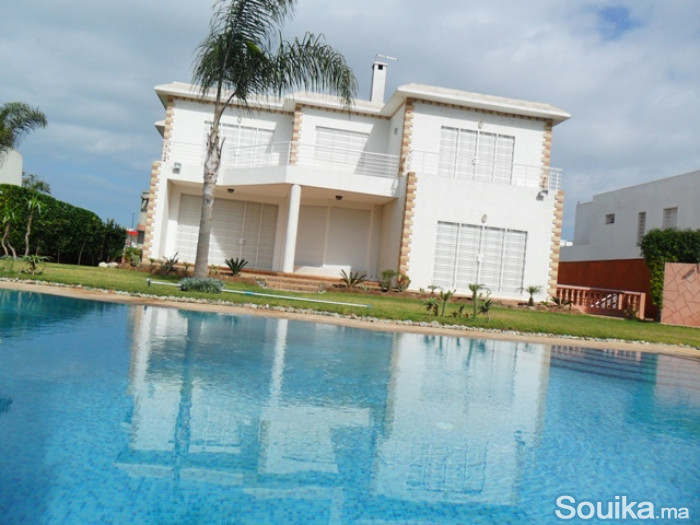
[
  {"x": 338, "y": 146},
  {"x": 470, "y": 253},
  {"x": 246, "y": 146},
  {"x": 670, "y": 218},
  {"x": 641, "y": 226},
  {"x": 610, "y": 218},
  {"x": 476, "y": 154}
]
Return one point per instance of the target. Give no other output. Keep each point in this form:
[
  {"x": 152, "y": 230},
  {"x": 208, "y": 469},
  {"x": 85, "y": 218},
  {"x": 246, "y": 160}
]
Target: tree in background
[
  {"x": 33, "y": 182},
  {"x": 244, "y": 55},
  {"x": 63, "y": 232},
  {"x": 7, "y": 215},
  {"x": 34, "y": 207},
  {"x": 16, "y": 120}
]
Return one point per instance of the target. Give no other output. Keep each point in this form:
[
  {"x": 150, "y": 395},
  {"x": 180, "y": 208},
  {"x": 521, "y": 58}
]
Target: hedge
[
  {"x": 668, "y": 245},
  {"x": 61, "y": 231}
]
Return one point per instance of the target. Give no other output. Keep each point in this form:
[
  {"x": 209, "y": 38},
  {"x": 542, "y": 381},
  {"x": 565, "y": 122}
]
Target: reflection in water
[
  {"x": 416, "y": 419},
  {"x": 461, "y": 419},
  {"x": 253, "y": 420}
]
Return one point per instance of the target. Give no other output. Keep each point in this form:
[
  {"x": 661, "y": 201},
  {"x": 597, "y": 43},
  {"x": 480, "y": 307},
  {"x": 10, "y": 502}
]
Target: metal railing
[
  {"x": 288, "y": 153},
  {"x": 541, "y": 177},
  {"x": 602, "y": 301}
]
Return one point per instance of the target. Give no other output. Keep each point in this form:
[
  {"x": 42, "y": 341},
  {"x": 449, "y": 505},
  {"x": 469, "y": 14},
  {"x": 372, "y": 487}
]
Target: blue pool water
[{"x": 136, "y": 414}]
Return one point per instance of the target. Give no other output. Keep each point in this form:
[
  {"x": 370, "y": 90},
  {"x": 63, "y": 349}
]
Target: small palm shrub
[
  {"x": 209, "y": 285},
  {"x": 387, "y": 280},
  {"x": 353, "y": 279},
  {"x": 236, "y": 265},
  {"x": 531, "y": 290},
  {"x": 167, "y": 265},
  {"x": 35, "y": 264}
]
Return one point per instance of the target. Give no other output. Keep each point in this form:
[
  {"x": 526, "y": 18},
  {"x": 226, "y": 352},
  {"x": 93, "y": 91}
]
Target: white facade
[
  {"x": 612, "y": 224},
  {"x": 309, "y": 186},
  {"x": 11, "y": 167}
]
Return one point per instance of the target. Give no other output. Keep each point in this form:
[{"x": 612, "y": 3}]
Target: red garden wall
[{"x": 618, "y": 274}]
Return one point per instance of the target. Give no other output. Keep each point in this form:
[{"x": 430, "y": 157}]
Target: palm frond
[
  {"x": 16, "y": 120},
  {"x": 237, "y": 55}
]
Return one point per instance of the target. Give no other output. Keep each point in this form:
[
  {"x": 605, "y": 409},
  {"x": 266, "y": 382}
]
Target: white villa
[{"x": 445, "y": 186}]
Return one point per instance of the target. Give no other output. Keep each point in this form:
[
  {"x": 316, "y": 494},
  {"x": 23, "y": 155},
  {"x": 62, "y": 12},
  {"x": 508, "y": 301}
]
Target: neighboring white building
[
  {"x": 446, "y": 186},
  {"x": 11, "y": 167},
  {"x": 611, "y": 226}
]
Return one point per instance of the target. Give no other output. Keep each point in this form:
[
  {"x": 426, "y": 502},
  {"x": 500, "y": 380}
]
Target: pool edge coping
[{"x": 387, "y": 325}]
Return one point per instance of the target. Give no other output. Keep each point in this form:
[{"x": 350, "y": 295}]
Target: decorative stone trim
[
  {"x": 546, "y": 154},
  {"x": 296, "y": 134},
  {"x": 555, "y": 248},
  {"x": 169, "y": 116},
  {"x": 407, "y": 225},
  {"x": 153, "y": 191},
  {"x": 406, "y": 137}
]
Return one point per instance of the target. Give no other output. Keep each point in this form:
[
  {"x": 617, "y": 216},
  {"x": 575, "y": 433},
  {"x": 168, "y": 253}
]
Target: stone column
[{"x": 290, "y": 242}]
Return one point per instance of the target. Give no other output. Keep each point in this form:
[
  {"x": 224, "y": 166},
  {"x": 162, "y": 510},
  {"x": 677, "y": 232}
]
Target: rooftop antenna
[
  {"x": 386, "y": 57},
  {"x": 379, "y": 78}
]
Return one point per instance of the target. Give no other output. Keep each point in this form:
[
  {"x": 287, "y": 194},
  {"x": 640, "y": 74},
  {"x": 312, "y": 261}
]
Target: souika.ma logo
[{"x": 619, "y": 508}]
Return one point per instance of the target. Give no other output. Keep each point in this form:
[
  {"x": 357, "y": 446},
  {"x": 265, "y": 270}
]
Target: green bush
[
  {"x": 63, "y": 232},
  {"x": 662, "y": 246},
  {"x": 208, "y": 285}
]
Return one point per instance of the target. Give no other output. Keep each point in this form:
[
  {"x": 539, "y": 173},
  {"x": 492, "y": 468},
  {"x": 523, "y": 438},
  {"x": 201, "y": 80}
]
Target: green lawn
[{"x": 389, "y": 306}]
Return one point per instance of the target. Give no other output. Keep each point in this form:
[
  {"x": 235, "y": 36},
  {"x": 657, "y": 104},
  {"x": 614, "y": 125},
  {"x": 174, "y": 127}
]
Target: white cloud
[{"x": 625, "y": 69}]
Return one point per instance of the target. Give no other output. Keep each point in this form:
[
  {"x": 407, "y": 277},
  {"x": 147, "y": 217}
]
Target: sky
[{"x": 627, "y": 71}]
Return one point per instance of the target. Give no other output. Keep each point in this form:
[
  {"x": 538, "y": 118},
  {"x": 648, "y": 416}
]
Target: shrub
[
  {"x": 235, "y": 265},
  {"x": 662, "y": 246},
  {"x": 168, "y": 264},
  {"x": 402, "y": 282},
  {"x": 192, "y": 284},
  {"x": 387, "y": 279},
  {"x": 132, "y": 255},
  {"x": 353, "y": 279}
]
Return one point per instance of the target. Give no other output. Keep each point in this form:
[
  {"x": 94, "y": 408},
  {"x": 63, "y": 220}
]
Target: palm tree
[
  {"x": 531, "y": 290},
  {"x": 16, "y": 120},
  {"x": 244, "y": 55}
]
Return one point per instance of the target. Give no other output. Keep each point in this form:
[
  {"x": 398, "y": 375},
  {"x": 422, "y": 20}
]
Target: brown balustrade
[{"x": 602, "y": 301}]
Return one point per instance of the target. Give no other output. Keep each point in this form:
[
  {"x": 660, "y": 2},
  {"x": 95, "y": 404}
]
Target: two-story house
[{"x": 445, "y": 186}]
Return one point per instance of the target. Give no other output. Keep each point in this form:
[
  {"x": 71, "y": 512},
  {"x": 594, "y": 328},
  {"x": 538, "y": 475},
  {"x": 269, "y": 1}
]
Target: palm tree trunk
[
  {"x": 211, "y": 174},
  {"x": 6, "y": 241},
  {"x": 5, "y": 233},
  {"x": 26, "y": 235}
]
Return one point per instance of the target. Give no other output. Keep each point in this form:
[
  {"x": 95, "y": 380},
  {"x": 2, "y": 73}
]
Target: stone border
[{"x": 366, "y": 322}]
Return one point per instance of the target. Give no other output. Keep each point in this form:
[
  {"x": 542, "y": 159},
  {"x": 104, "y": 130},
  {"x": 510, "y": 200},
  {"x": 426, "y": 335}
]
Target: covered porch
[{"x": 289, "y": 228}]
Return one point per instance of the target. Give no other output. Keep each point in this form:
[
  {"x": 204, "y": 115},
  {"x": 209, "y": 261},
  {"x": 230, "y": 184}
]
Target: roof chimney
[{"x": 378, "y": 82}]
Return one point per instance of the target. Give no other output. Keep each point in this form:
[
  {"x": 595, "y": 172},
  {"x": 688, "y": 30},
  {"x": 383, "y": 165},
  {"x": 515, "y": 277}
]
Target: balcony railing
[
  {"x": 602, "y": 301},
  {"x": 541, "y": 177},
  {"x": 288, "y": 153}
]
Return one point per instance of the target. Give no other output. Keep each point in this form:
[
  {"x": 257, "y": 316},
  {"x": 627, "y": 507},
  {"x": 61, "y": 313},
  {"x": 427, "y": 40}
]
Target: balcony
[
  {"x": 601, "y": 301},
  {"x": 281, "y": 154},
  {"x": 429, "y": 163}
]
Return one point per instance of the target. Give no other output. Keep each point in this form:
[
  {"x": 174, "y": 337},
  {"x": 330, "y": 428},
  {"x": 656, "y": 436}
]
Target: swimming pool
[{"x": 138, "y": 414}]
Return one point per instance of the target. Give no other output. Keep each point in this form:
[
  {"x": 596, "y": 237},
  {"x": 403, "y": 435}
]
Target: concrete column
[{"x": 290, "y": 242}]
